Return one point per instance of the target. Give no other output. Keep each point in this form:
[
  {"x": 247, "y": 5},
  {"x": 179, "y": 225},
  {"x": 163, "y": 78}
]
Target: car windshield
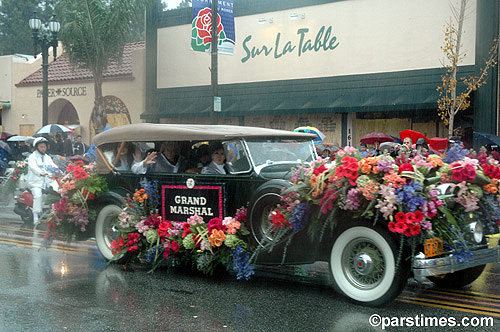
[{"x": 274, "y": 151}]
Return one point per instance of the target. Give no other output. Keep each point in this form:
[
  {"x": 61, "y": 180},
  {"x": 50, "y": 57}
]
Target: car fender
[
  {"x": 272, "y": 185},
  {"x": 111, "y": 197}
]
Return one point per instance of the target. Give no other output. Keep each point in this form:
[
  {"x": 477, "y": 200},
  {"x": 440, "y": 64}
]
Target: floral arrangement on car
[
  {"x": 403, "y": 194},
  {"x": 79, "y": 187},
  {"x": 145, "y": 236},
  {"x": 16, "y": 177}
]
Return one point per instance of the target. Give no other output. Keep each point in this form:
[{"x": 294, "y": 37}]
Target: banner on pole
[{"x": 201, "y": 33}]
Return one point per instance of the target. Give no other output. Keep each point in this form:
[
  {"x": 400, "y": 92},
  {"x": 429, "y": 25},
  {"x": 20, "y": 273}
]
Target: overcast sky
[{"x": 171, "y": 3}]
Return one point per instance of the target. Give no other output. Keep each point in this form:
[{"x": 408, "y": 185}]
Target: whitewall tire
[
  {"x": 363, "y": 266},
  {"x": 105, "y": 232}
]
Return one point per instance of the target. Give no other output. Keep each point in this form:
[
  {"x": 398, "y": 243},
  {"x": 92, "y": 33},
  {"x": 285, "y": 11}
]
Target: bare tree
[{"x": 451, "y": 101}]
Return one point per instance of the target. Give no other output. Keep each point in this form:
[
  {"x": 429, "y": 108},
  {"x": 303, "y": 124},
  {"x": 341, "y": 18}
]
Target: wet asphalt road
[{"x": 69, "y": 287}]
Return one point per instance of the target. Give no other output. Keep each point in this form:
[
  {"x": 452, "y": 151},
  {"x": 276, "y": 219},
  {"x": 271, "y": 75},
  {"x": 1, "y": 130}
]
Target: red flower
[
  {"x": 215, "y": 223},
  {"x": 116, "y": 246},
  {"x": 319, "y": 170},
  {"x": 419, "y": 216},
  {"x": 79, "y": 173},
  {"x": 405, "y": 167},
  {"x": 400, "y": 217},
  {"x": 175, "y": 246},
  {"x": 400, "y": 227},
  {"x": 133, "y": 248},
  {"x": 410, "y": 218},
  {"x": 326, "y": 202},
  {"x": 415, "y": 230},
  {"x": 187, "y": 230},
  {"x": 197, "y": 241},
  {"x": 278, "y": 219},
  {"x": 392, "y": 226},
  {"x": 163, "y": 228},
  {"x": 87, "y": 194}
]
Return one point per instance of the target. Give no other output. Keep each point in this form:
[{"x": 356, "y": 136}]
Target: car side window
[{"x": 236, "y": 157}]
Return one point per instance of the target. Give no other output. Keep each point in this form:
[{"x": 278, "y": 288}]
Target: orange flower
[
  {"x": 369, "y": 191},
  {"x": 368, "y": 165},
  {"x": 217, "y": 238},
  {"x": 434, "y": 161},
  {"x": 313, "y": 183},
  {"x": 492, "y": 187},
  {"x": 140, "y": 196},
  {"x": 394, "y": 179}
]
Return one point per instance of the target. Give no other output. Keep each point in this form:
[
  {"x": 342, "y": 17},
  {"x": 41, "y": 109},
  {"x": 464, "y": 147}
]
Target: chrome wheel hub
[{"x": 363, "y": 264}]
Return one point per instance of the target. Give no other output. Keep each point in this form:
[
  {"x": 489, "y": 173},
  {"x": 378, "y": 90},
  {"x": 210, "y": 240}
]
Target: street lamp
[{"x": 35, "y": 24}]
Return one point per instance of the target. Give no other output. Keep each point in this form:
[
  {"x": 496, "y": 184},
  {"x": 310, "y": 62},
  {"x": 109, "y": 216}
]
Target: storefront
[
  {"x": 71, "y": 93},
  {"x": 346, "y": 67}
]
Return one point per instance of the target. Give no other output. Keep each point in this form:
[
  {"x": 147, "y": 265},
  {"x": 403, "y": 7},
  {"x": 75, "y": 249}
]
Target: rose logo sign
[{"x": 201, "y": 37}]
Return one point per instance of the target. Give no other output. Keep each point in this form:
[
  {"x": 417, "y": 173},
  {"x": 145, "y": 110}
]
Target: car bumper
[{"x": 424, "y": 267}]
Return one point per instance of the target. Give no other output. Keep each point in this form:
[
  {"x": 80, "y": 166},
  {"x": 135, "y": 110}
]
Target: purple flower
[
  {"x": 300, "y": 216},
  {"x": 385, "y": 164},
  {"x": 352, "y": 199},
  {"x": 241, "y": 263},
  {"x": 410, "y": 196}
]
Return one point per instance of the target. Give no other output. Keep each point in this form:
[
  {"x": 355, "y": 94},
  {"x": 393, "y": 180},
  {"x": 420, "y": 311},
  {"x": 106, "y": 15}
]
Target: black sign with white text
[{"x": 180, "y": 202}]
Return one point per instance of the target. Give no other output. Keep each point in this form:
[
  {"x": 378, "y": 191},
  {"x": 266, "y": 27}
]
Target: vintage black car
[
  {"x": 258, "y": 164},
  {"x": 364, "y": 259}
]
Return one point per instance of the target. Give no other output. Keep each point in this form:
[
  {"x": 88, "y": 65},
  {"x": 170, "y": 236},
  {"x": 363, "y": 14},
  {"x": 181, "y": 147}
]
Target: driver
[{"x": 38, "y": 164}]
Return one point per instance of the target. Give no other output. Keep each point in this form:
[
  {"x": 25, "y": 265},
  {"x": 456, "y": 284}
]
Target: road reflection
[{"x": 51, "y": 283}]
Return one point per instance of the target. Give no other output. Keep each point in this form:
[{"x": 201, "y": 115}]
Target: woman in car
[
  {"x": 217, "y": 165},
  {"x": 126, "y": 156}
]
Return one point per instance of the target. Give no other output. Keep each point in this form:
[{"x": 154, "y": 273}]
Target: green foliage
[
  {"x": 15, "y": 34},
  {"x": 94, "y": 184},
  {"x": 94, "y": 32}
]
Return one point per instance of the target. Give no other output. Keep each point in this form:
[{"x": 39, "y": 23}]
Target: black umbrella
[{"x": 486, "y": 139}]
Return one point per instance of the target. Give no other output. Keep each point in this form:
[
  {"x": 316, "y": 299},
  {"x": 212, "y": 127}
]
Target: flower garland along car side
[
  {"x": 146, "y": 237},
  {"x": 18, "y": 175},
  {"x": 439, "y": 209},
  {"x": 79, "y": 188}
]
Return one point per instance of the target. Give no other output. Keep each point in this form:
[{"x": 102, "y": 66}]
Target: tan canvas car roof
[
  {"x": 153, "y": 132},
  {"x": 150, "y": 132}
]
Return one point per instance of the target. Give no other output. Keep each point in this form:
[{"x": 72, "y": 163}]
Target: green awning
[
  {"x": 398, "y": 91},
  {"x": 4, "y": 105}
]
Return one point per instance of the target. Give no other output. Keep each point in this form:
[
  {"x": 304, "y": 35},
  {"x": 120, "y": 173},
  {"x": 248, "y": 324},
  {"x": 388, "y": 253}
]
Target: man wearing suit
[{"x": 167, "y": 160}]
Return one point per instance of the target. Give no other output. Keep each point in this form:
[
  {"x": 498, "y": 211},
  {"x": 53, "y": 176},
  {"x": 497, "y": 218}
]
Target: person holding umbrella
[{"x": 39, "y": 163}]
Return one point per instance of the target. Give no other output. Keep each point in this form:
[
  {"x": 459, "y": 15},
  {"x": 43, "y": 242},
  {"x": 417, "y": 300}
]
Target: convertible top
[{"x": 150, "y": 132}]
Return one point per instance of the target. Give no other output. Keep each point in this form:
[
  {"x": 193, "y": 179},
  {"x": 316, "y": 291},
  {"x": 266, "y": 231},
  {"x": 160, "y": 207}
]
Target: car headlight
[{"x": 476, "y": 231}]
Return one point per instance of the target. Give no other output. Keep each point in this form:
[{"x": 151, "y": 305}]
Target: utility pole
[{"x": 215, "y": 65}]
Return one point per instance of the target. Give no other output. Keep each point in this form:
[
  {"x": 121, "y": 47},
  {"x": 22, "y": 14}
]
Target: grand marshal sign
[{"x": 180, "y": 202}]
